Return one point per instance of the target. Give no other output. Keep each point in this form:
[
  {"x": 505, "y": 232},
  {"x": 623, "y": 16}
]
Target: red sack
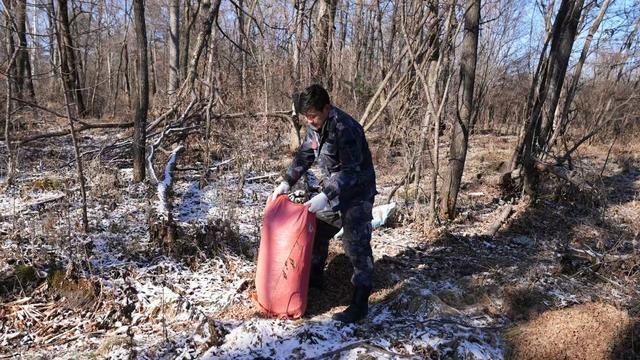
[{"x": 284, "y": 259}]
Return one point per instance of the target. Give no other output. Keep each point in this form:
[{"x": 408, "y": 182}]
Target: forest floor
[{"x": 443, "y": 292}]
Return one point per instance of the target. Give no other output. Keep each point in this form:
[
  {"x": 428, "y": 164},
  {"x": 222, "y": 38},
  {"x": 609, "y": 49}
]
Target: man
[{"x": 348, "y": 188}]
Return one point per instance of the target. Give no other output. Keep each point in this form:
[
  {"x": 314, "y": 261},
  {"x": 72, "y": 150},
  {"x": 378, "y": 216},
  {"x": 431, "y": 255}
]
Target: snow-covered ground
[
  {"x": 172, "y": 308},
  {"x": 438, "y": 296}
]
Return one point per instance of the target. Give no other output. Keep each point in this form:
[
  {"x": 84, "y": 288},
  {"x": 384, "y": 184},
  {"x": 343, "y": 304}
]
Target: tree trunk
[
  {"x": 558, "y": 62},
  {"x": 379, "y": 29},
  {"x": 117, "y": 77},
  {"x": 241, "y": 43},
  {"x": 446, "y": 50},
  {"x": 99, "y": 61},
  {"x": 201, "y": 43},
  {"x": 297, "y": 51},
  {"x": 154, "y": 80},
  {"x": 83, "y": 55},
  {"x": 35, "y": 45},
  {"x": 62, "y": 31},
  {"x": 142, "y": 100},
  {"x": 357, "y": 34},
  {"x": 536, "y": 128},
  {"x": 321, "y": 70},
  {"x": 561, "y": 118},
  {"x": 11, "y": 163},
  {"x": 24, "y": 80},
  {"x": 174, "y": 46},
  {"x": 68, "y": 58},
  {"x": 53, "y": 51},
  {"x": 429, "y": 83},
  {"x": 109, "y": 74},
  {"x": 185, "y": 38},
  {"x": 460, "y": 127},
  {"x": 190, "y": 17},
  {"x": 339, "y": 70},
  {"x": 11, "y": 49},
  {"x": 127, "y": 80},
  {"x": 392, "y": 33}
]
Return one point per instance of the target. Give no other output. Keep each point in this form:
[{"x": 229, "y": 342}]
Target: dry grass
[{"x": 589, "y": 331}]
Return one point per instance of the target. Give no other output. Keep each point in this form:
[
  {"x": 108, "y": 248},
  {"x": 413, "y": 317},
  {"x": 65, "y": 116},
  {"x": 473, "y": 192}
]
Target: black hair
[{"x": 314, "y": 96}]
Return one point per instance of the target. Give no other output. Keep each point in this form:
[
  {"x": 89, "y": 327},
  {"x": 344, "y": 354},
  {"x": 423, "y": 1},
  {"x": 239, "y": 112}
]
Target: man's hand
[
  {"x": 317, "y": 202},
  {"x": 280, "y": 189}
]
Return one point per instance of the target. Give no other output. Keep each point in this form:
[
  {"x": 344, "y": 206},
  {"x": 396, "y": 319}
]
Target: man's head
[{"x": 314, "y": 103}]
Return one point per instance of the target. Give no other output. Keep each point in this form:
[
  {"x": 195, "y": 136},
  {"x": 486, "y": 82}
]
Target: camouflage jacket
[{"x": 344, "y": 158}]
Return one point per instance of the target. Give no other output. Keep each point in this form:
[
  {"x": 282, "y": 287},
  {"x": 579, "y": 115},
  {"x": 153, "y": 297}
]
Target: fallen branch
[
  {"x": 283, "y": 114},
  {"x": 212, "y": 167},
  {"x": 164, "y": 206},
  {"x": 612, "y": 282},
  {"x": 50, "y": 111},
  {"x": 160, "y": 119},
  {"x": 267, "y": 176},
  {"x": 562, "y": 173},
  {"x": 594, "y": 257},
  {"x": 35, "y": 204},
  {"x": 386, "y": 258},
  {"x": 504, "y": 215},
  {"x": 88, "y": 126},
  {"x": 152, "y": 152},
  {"x": 162, "y": 228},
  {"x": 66, "y": 132},
  {"x": 55, "y": 336},
  {"x": 45, "y": 200},
  {"x": 360, "y": 344}
]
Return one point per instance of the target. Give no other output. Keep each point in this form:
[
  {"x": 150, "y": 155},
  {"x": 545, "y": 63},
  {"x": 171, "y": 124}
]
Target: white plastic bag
[{"x": 380, "y": 214}]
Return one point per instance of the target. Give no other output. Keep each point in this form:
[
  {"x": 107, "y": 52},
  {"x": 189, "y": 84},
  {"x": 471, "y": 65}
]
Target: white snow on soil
[{"x": 171, "y": 302}]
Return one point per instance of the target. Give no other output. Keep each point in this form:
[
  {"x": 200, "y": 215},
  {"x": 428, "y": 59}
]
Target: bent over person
[{"x": 348, "y": 184}]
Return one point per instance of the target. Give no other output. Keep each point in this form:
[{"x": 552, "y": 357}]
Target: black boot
[
  {"x": 359, "y": 306},
  {"x": 316, "y": 280}
]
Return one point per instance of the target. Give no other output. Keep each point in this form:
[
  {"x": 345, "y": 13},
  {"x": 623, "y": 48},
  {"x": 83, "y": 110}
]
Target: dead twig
[{"x": 262, "y": 177}]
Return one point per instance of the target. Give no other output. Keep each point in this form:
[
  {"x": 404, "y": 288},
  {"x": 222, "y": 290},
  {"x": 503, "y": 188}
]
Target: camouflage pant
[{"x": 356, "y": 240}]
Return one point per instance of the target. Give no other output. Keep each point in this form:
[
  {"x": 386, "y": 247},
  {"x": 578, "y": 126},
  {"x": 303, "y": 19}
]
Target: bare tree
[
  {"x": 61, "y": 27},
  {"x": 257, "y": 51},
  {"x": 153, "y": 85},
  {"x": 24, "y": 79},
  {"x": 297, "y": 50},
  {"x": 190, "y": 16},
  {"x": 68, "y": 57},
  {"x": 11, "y": 158},
  {"x": 201, "y": 42},
  {"x": 321, "y": 67},
  {"x": 545, "y": 92},
  {"x": 460, "y": 127},
  {"x": 560, "y": 116},
  {"x": 429, "y": 82},
  {"x": 446, "y": 53},
  {"x": 142, "y": 98},
  {"x": 241, "y": 43},
  {"x": 10, "y": 29},
  {"x": 174, "y": 45}
]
